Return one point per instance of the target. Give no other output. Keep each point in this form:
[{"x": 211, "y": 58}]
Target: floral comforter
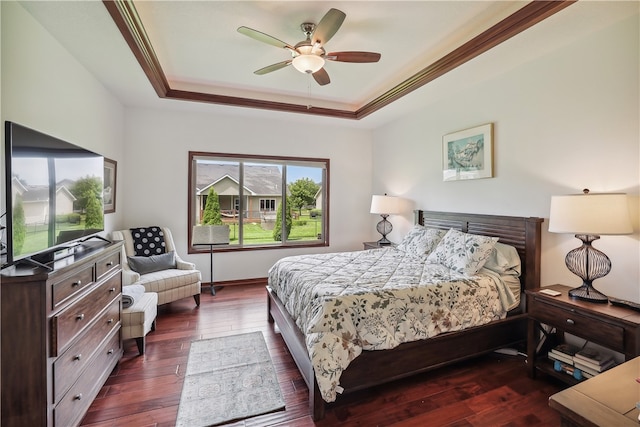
[{"x": 377, "y": 299}]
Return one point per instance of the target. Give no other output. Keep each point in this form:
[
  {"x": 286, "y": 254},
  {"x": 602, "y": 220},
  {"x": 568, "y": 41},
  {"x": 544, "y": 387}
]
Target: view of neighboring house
[
  {"x": 35, "y": 201},
  {"x": 318, "y": 198},
  {"x": 262, "y": 189}
]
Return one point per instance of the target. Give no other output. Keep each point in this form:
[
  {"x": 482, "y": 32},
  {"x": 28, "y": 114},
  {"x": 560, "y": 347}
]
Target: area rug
[{"x": 228, "y": 379}]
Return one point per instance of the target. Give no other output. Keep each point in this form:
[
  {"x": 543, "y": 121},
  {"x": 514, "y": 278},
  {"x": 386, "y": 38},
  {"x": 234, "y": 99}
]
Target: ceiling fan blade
[
  {"x": 265, "y": 38},
  {"x": 328, "y": 26},
  {"x": 322, "y": 77},
  {"x": 272, "y": 67},
  {"x": 353, "y": 56}
]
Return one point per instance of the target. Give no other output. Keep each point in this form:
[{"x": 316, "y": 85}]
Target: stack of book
[
  {"x": 563, "y": 356},
  {"x": 580, "y": 363},
  {"x": 592, "y": 362}
]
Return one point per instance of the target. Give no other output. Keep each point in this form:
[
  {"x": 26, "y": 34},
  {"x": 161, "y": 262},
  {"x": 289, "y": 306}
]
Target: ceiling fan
[{"x": 309, "y": 55}]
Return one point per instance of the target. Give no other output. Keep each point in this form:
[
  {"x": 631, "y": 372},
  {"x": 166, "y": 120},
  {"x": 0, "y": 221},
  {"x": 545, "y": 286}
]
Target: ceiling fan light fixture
[{"x": 308, "y": 64}]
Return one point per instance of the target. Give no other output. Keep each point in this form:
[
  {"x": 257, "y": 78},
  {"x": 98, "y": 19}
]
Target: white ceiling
[
  {"x": 199, "y": 49},
  {"x": 199, "y": 46}
]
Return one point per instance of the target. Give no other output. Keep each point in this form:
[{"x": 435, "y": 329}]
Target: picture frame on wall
[
  {"x": 468, "y": 154},
  {"x": 109, "y": 185}
]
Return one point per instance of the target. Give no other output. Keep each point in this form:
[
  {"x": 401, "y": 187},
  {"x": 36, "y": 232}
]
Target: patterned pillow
[
  {"x": 148, "y": 241},
  {"x": 421, "y": 241},
  {"x": 462, "y": 252}
]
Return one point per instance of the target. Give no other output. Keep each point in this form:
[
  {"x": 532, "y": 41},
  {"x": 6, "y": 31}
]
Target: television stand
[
  {"x": 61, "y": 353},
  {"x": 34, "y": 263},
  {"x": 96, "y": 236}
]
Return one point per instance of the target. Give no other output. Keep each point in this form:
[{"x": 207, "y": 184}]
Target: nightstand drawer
[
  {"x": 576, "y": 323},
  {"x": 376, "y": 245}
]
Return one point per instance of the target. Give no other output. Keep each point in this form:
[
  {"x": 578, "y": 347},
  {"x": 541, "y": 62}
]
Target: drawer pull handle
[
  {"x": 110, "y": 321},
  {"x": 77, "y": 356},
  {"x": 80, "y": 316},
  {"x": 78, "y": 283},
  {"x": 110, "y": 352},
  {"x": 110, "y": 263},
  {"x": 571, "y": 322},
  {"x": 77, "y": 396},
  {"x": 112, "y": 290}
]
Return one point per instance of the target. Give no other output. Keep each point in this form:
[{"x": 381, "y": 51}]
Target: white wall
[
  {"x": 564, "y": 121},
  {"x": 566, "y": 117},
  {"x": 45, "y": 88},
  {"x": 156, "y": 165}
]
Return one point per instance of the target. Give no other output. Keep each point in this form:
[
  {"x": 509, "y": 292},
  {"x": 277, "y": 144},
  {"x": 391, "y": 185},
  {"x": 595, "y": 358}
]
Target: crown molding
[{"x": 125, "y": 16}]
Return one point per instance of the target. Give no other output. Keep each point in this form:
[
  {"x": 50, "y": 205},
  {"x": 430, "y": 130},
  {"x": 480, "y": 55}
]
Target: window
[
  {"x": 250, "y": 194},
  {"x": 267, "y": 204}
]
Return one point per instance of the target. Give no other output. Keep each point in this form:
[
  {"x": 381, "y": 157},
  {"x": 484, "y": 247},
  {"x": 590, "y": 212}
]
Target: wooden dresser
[{"x": 60, "y": 336}]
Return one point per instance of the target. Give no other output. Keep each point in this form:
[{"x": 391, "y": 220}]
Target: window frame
[
  {"x": 268, "y": 201},
  {"x": 254, "y": 158}
]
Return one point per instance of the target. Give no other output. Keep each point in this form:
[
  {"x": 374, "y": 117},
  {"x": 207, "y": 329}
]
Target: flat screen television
[{"x": 53, "y": 194}]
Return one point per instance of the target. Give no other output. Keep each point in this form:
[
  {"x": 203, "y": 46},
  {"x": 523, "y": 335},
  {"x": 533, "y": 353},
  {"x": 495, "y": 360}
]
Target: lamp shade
[
  {"x": 210, "y": 235},
  {"x": 308, "y": 63},
  {"x": 591, "y": 214},
  {"x": 386, "y": 205}
]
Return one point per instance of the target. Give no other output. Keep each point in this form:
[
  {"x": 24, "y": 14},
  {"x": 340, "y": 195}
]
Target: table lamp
[
  {"x": 589, "y": 216},
  {"x": 385, "y": 206}
]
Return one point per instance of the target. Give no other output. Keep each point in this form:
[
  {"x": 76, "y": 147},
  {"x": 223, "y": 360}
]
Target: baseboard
[{"x": 239, "y": 282}]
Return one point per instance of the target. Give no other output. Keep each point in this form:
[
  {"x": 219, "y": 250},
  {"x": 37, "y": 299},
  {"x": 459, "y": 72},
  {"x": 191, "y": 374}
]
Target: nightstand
[
  {"x": 375, "y": 245},
  {"x": 613, "y": 327}
]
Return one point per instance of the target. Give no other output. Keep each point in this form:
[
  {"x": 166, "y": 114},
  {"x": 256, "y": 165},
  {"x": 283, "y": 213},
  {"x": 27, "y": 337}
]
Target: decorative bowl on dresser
[{"x": 60, "y": 335}]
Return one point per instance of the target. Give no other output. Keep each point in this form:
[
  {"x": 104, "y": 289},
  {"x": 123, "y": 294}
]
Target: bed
[{"x": 377, "y": 366}]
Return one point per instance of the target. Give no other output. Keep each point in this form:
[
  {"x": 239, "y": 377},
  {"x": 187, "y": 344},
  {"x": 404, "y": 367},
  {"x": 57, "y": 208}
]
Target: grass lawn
[
  {"x": 303, "y": 229},
  {"x": 255, "y": 234},
  {"x": 37, "y": 236}
]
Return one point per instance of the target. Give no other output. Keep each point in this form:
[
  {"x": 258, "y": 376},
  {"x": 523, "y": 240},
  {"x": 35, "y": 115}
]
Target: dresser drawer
[
  {"x": 74, "y": 404},
  {"x": 106, "y": 264},
  {"x": 65, "y": 288},
  {"x": 68, "y": 323},
  {"x": 68, "y": 367},
  {"x": 577, "y": 323}
]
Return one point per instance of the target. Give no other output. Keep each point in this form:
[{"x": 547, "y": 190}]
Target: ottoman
[{"x": 140, "y": 318}]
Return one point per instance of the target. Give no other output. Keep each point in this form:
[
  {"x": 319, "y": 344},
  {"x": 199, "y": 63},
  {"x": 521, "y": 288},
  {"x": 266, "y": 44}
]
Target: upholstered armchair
[{"x": 150, "y": 259}]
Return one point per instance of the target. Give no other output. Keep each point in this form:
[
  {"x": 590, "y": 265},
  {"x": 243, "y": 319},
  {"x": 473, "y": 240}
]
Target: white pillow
[
  {"x": 421, "y": 241},
  {"x": 504, "y": 259},
  {"x": 463, "y": 252}
]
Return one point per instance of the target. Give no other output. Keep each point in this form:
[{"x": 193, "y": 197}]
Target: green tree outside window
[{"x": 211, "y": 214}]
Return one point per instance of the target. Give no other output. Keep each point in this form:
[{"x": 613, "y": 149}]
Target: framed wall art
[
  {"x": 109, "y": 185},
  {"x": 468, "y": 154}
]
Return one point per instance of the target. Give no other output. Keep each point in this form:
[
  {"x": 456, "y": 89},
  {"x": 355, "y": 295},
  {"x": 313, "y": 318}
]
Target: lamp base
[
  {"x": 589, "y": 264},
  {"x": 384, "y": 227},
  {"x": 587, "y": 292}
]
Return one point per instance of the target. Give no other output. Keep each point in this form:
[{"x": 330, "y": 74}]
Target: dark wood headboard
[{"x": 524, "y": 233}]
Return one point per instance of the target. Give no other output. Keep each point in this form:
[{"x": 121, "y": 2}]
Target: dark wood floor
[{"x": 145, "y": 390}]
